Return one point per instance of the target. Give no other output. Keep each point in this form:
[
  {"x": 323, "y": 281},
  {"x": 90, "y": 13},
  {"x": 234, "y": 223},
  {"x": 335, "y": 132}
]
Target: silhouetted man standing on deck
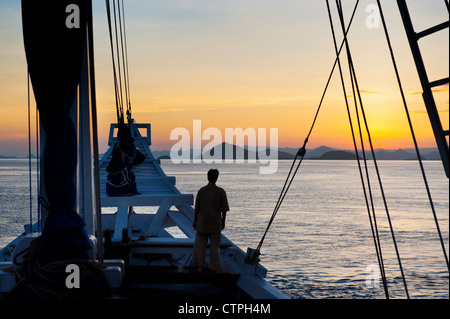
[{"x": 211, "y": 206}]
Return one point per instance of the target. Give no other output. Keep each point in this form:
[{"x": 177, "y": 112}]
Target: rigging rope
[
  {"x": 29, "y": 151},
  {"x": 119, "y": 111},
  {"x": 353, "y": 78},
  {"x": 37, "y": 160},
  {"x": 96, "y": 156},
  {"x": 373, "y": 223},
  {"x": 118, "y": 60},
  {"x": 301, "y": 152},
  {"x": 117, "y": 37},
  {"x": 125, "y": 67},
  {"x": 412, "y": 129},
  {"x": 38, "y": 173}
]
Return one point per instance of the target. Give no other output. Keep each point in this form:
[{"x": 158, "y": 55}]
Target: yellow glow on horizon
[{"x": 247, "y": 68}]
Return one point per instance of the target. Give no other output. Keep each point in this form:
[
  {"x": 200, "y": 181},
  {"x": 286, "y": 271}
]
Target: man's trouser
[{"x": 201, "y": 241}]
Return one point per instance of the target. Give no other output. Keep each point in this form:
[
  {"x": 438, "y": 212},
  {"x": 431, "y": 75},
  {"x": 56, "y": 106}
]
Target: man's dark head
[{"x": 213, "y": 175}]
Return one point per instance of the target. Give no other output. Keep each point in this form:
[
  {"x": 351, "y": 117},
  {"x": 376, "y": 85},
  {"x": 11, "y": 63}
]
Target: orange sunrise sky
[{"x": 252, "y": 63}]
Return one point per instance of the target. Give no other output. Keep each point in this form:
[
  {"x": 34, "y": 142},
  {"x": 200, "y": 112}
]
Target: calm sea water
[{"x": 320, "y": 244}]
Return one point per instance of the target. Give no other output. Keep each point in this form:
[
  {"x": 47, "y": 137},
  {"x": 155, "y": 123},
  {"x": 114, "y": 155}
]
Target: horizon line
[{"x": 15, "y": 156}]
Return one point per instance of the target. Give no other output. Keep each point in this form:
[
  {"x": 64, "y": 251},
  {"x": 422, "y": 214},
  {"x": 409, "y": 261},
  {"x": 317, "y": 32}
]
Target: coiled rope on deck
[{"x": 47, "y": 281}]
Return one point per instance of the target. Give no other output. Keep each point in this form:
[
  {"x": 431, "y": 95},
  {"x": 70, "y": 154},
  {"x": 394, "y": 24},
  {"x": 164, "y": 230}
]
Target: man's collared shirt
[{"x": 210, "y": 202}]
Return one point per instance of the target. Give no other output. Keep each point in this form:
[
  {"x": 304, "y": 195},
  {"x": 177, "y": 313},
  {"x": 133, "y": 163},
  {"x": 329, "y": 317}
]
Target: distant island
[
  {"x": 338, "y": 155},
  {"x": 319, "y": 153}
]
